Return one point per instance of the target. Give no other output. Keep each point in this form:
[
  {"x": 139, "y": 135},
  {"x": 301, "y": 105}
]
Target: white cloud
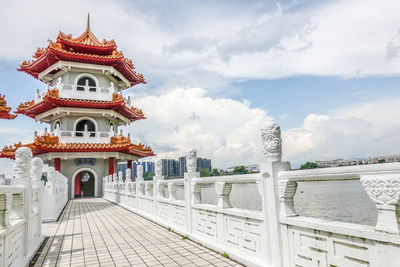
[
  {"x": 228, "y": 131},
  {"x": 342, "y": 38},
  {"x": 362, "y": 130}
]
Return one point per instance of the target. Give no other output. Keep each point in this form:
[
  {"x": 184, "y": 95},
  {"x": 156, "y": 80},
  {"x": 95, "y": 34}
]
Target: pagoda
[
  {"x": 84, "y": 106},
  {"x": 5, "y": 110}
]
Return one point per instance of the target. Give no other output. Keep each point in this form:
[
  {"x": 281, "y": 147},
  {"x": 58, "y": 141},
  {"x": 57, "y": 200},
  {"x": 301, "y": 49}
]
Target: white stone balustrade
[
  {"x": 276, "y": 235},
  {"x": 20, "y": 211},
  {"x": 55, "y": 195}
]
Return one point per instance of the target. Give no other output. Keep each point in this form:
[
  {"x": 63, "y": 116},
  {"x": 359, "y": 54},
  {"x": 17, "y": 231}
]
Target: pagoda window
[
  {"x": 85, "y": 126},
  {"x": 86, "y": 82}
]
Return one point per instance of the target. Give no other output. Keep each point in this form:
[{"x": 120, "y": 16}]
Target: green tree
[
  {"x": 205, "y": 173},
  {"x": 148, "y": 176},
  {"x": 240, "y": 170},
  {"x": 215, "y": 172},
  {"x": 309, "y": 165},
  {"x": 381, "y": 161}
]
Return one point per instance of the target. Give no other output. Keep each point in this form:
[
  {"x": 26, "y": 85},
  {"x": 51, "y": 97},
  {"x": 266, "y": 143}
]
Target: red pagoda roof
[
  {"x": 85, "y": 49},
  {"x": 46, "y": 143},
  {"x": 4, "y": 110},
  {"x": 52, "y": 100}
]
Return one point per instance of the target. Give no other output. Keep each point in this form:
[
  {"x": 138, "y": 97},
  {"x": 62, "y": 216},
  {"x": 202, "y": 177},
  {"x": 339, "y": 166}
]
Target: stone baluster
[
  {"x": 172, "y": 191},
  {"x": 149, "y": 189},
  {"x": 286, "y": 191},
  {"x": 196, "y": 193},
  {"x": 86, "y": 133},
  {"x": 223, "y": 190},
  {"x": 60, "y": 84},
  {"x": 5, "y": 207},
  {"x": 384, "y": 190}
]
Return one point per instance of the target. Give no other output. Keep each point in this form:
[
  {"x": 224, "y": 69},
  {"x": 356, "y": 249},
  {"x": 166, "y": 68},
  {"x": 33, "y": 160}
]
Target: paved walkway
[{"x": 95, "y": 232}]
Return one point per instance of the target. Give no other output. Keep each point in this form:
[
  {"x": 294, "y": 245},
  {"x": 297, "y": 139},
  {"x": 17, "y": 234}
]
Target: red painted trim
[
  {"x": 57, "y": 164},
  {"x": 52, "y": 56},
  {"x": 78, "y": 185},
  {"x": 49, "y": 103},
  {"x": 111, "y": 162}
]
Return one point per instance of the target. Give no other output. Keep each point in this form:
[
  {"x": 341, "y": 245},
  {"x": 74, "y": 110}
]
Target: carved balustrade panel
[
  {"x": 205, "y": 223},
  {"x": 243, "y": 234},
  {"x": 318, "y": 248}
]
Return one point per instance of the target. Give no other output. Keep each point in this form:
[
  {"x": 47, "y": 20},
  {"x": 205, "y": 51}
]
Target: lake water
[{"x": 344, "y": 201}]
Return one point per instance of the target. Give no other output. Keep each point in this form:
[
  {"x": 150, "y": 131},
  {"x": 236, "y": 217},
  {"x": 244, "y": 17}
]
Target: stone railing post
[
  {"x": 139, "y": 182},
  {"x": 23, "y": 202},
  {"x": 384, "y": 190},
  {"x": 268, "y": 186},
  {"x": 158, "y": 190},
  {"x": 36, "y": 175},
  {"x": 191, "y": 166},
  {"x": 223, "y": 190}
]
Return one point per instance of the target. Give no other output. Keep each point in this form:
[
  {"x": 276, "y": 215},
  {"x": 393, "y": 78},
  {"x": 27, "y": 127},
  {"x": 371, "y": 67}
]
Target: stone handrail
[
  {"x": 55, "y": 195},
  {"x": 20, "y": 211},
  {"x": 276, "y": 235}
]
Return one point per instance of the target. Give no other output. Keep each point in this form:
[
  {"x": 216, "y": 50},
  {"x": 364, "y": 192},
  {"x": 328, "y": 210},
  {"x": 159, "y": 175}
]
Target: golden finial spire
[{"x": 88, "y": 21}]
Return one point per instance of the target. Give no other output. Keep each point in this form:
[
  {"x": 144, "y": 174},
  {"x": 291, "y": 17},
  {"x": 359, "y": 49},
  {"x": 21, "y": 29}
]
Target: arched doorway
[{"x": 84, "y": 183}]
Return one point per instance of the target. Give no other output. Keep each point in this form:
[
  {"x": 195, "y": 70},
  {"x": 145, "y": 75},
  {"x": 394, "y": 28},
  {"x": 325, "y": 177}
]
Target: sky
[{"x": 217, "y": 71}]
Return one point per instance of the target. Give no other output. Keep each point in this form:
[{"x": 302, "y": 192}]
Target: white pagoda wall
[{"x": 68, "y": 168}]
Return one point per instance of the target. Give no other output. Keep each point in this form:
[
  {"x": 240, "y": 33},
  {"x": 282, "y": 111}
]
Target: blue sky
[{"x": 217, "y": 71}]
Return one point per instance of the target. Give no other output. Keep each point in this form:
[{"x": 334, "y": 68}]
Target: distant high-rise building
[
  {"x": 170, "y": 167},
  {"x": 148, "y": 166},
  {"x": 203, "y": 164},
  {"x": 182, "y": 166}
]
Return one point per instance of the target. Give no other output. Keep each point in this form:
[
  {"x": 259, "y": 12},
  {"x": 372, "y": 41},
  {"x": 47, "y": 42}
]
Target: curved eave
[
  {"x": 49, "y": 103},
  {"x": 103, "y": 50},
  {"x": 38, "y": 150},
  {"x": 7, "y": 116},
  {"x": 52, "y": 56}
]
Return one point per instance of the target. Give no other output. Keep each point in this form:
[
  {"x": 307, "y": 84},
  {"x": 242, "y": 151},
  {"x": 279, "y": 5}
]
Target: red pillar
[
  {"x": 111, "y": 165},
  {"x": 57, "y": 164},
  {"x": 129, "y": 165}
]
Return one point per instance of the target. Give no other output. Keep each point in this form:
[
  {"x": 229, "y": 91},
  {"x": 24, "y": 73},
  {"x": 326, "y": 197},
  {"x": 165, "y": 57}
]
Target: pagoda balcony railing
[
  {"x": 86, "y": 92},
  {"x": 83, "y": 136}
]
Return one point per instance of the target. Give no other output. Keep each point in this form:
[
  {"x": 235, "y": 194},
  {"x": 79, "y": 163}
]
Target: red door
[{"x": 78, "y": 185}]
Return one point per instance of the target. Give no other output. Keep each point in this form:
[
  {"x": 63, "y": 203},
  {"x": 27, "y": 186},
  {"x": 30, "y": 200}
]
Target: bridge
[{"x": 165, "y": 222}]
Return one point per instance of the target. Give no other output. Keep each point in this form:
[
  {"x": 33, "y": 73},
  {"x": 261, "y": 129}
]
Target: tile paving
[{"x": 96, "y": 232}]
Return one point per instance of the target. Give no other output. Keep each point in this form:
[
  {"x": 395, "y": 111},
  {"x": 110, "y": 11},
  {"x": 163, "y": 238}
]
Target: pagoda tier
[
  {"x": 52, "y": 100},
  {"x": 46, "y": 143},
  {"x": 4, "y": 110},
  {"x": 84, "y": 49}
]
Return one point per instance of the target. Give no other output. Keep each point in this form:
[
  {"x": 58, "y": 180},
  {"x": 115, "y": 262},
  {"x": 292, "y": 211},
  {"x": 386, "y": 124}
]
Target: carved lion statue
[
  {"x": 37, "y": 166},
  {"x": 272, "y": 142},
  {"x": 22, "y": 166},
  {"x": 158, "y": 167},
  {"x": 191, "y": 161},
  {"x": 139, "y": 172}
]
